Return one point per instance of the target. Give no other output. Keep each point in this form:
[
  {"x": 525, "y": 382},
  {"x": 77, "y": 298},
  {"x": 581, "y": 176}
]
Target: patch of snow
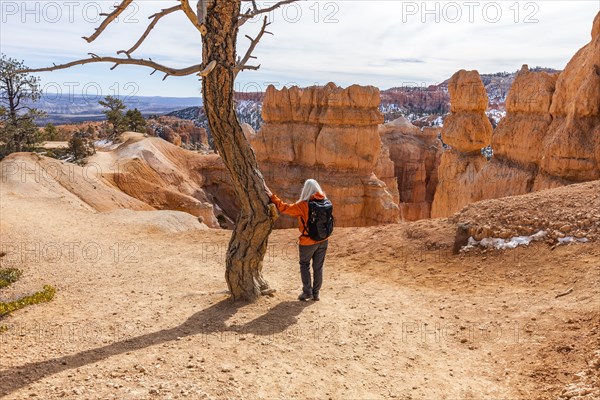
[
  {"x": 105, "y": 144},
  {"x": 502, "y": 244},
  {"x": 439, "y": 121},
  {"x": 496, "y": 115},
  {"x": 539, "y": 236},
  {"x": 487, "y": 152},
  {"x": 571, "y": 239}
]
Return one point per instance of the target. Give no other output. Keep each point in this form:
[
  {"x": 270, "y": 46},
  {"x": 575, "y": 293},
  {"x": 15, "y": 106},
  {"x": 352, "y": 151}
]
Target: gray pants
[{"x": 316, "y": 252}]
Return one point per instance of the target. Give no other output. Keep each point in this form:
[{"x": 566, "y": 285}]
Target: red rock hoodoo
[
  {"x": 550, "y": 136},
  {"x": 329, "y": 134}
]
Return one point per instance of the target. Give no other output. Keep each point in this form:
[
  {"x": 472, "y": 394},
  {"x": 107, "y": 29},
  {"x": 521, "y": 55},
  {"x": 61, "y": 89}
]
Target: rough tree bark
[{"x": 248, "y": 244}]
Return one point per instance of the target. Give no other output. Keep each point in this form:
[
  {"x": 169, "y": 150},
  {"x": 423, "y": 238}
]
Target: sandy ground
[{"x": 141, "y": 312}]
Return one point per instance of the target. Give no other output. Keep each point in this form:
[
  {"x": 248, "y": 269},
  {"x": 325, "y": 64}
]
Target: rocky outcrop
[
  {"x": 521, "y": 134},
  {"x": 415, "y": 154},
  {"x": 467, "y": 130},
  {"x": 329, "y": 134},
  {"x": 550, "y": 136},
  {"x": 572, "y": 145},
  {"x": 560, "y": 213},
  {"x": 167, "y": 177},
  {"x": 30, "y": 175},
  {"x": 178, "y": 131}
]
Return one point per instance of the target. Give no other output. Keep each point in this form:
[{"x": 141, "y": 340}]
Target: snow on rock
[{"x": 502, "y": 244}]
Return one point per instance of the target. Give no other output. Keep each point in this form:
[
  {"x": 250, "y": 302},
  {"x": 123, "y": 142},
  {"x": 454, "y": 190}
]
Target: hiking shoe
[
  {"x": 316, "y": 297},
  {"x": 304, "y": 297}
]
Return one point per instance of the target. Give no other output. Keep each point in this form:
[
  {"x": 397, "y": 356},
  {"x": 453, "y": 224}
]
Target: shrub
[
  {"x": 81, "y": 145},
  {"x": 43, "y": 296},
  {"x": 9, "y": 276}
]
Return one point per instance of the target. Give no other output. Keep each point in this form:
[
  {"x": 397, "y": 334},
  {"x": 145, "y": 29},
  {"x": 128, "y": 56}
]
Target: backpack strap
[{"x": 304, "y": 226}]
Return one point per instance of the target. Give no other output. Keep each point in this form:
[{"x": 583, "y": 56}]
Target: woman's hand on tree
[{"x": 269, "y": 193}]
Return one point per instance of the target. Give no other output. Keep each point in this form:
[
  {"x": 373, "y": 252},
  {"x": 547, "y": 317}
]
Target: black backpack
[{"x": 320, "y": 220}]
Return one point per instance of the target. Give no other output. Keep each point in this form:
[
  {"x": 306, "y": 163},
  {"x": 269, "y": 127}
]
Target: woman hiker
[{"x": 309, "y": 247}]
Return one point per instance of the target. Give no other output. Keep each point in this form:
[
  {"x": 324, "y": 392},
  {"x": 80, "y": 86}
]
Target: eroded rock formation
[
  {"x": 467, "y": 129},
  {"x": 36, "y": 176},
  {"x": 330, "y": 134},
  {"x": 167, "y": 177},
  {"x": 572, "y": 145},
  {"x": 550, "y": 136},
  {"x": 415, "y": 154},
  {"x": 520, "y": 135},
  {"x": 178, "y": 131}
]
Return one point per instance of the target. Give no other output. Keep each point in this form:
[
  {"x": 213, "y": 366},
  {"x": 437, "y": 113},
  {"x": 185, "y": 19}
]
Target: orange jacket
[{"x": 300, "y": 210}]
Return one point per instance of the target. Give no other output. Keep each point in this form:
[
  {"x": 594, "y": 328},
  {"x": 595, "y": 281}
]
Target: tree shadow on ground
[{"x": 211, "y": 320}]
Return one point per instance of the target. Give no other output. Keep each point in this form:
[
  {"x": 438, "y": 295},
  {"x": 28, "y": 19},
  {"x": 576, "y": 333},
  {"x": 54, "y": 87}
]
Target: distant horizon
[
  {"x": 119, "y": 96},
  {"x": 200, "y": 96}
]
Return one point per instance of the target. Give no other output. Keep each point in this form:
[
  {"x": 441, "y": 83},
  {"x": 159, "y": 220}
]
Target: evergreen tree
[
  {"x": 50, "y": 132},
  {"x": 18, "y": 131},
  {"x": 81, "y": 145},
  {"x": 114, "y": 114},
  {"x": 135, "y": 121}
]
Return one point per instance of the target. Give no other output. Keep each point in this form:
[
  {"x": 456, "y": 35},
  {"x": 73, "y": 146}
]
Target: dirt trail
[{"x": 142, "y": 312}]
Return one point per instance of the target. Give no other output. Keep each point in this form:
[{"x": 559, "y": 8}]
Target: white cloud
[{"x": 383, "y": 43}]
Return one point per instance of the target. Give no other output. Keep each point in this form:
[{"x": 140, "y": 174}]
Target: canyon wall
[
  {"x": 329, "y": 134},
  {"x": 415, "y": 154},
  {"x": 178, "y": 131},
  {"x": 572, "y": 144}
]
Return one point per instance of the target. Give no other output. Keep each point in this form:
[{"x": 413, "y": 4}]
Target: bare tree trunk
[{"x": 248, "y": 243}]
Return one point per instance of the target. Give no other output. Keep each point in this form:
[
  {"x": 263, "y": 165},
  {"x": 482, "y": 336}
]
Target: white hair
[{"x": 311, "y": 187}]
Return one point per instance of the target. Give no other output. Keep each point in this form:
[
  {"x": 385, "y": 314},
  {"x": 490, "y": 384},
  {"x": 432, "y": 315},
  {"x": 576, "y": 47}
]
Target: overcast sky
[{"x": 380, "y": 43}]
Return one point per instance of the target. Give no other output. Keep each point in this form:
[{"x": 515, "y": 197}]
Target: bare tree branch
[
  {"x": 247, "y": 67},
  {"x": 155, "y": 18},
  {"x": 109, "y": 18},
  {"x": 242, "y": 64},
  {"x": 251, "y": 13},
  {"x": 200, "y": 69},
  {"x": 187, "y": 9}
]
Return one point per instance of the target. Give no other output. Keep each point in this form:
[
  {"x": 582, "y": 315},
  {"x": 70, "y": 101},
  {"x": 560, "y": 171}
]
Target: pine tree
[
  {"x": 18, "y": 131},
  {"x": 50, "y": 132},
  {"x": 81, "y": 145},
  {"x": 135, "y": 121},
  {"x": 114, "y": 114}
]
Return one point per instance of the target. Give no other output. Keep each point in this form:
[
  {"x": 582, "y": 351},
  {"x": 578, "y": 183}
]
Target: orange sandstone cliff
[
  {"x": 330, "y": 134},
  {"x": 550, "y": 136}
]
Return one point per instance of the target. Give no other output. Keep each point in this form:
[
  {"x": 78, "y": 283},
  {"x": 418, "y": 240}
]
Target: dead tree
[{"x": 218, "y": 23}]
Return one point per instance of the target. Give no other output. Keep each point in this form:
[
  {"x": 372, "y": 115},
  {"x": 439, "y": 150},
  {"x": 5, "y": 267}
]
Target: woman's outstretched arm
[{"x": 294, "y": 210}]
